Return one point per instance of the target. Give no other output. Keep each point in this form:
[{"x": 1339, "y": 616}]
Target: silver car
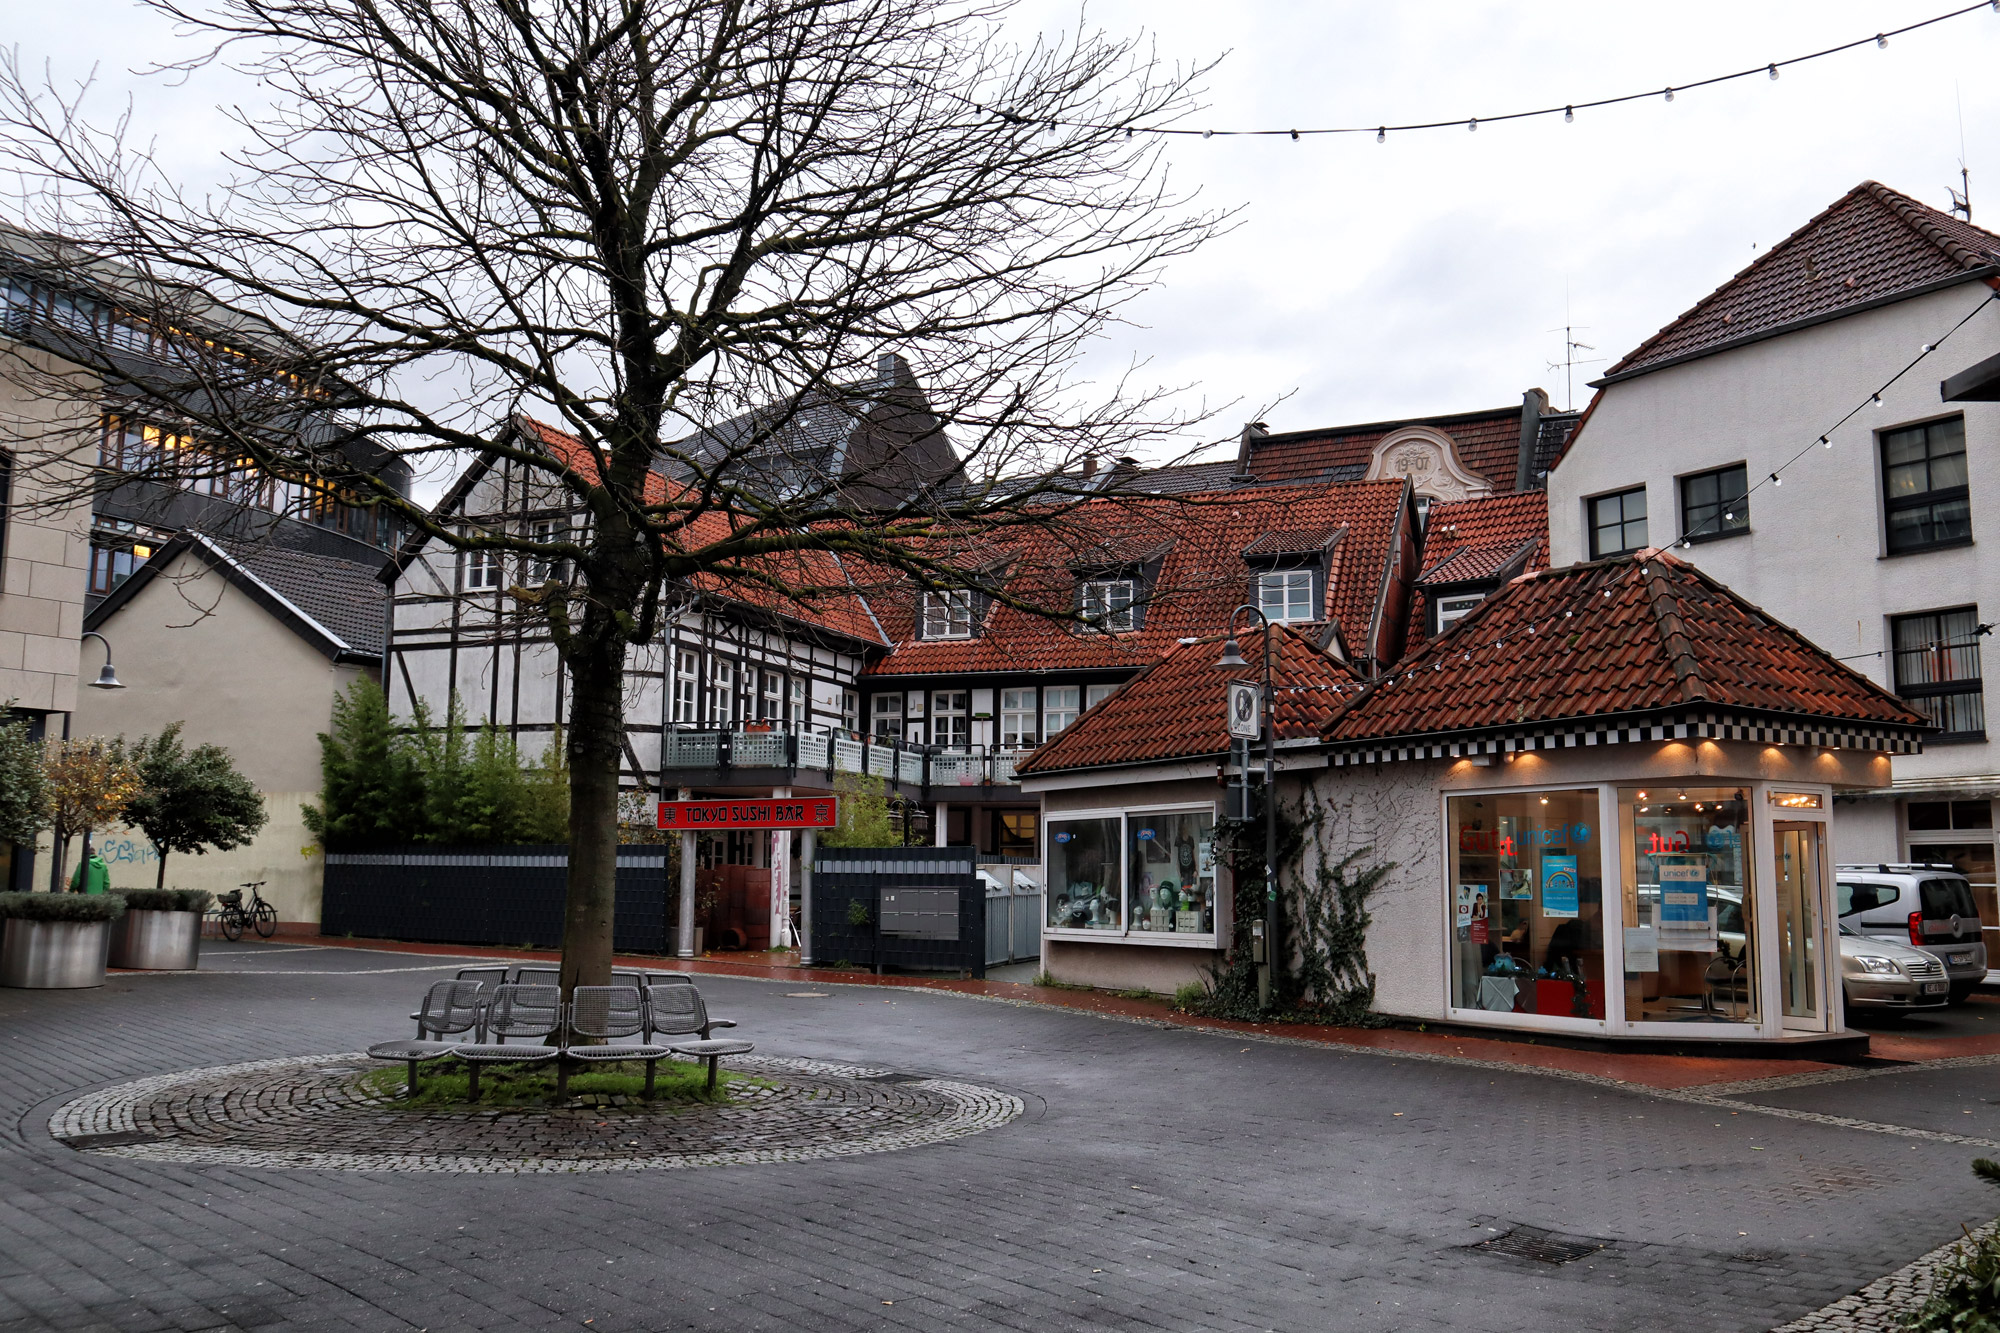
[
  {"x": 1882, "y": 974},
  {"x": 1927, "y": 906}
]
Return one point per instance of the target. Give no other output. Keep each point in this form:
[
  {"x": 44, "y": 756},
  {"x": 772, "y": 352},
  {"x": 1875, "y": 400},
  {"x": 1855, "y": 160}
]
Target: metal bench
[
  {"x": 489, "y": 977},
  {"x": 604, "y": 1016},
  {"x": 550, "y": 976},
  {"x": 449, "y": 1008},
  {"x": 673, "y": 1010},
  {"x": 529, "y": 1014}
]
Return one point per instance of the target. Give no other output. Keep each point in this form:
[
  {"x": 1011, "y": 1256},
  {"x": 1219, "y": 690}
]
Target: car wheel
[{"x": 1962, "y": 991}]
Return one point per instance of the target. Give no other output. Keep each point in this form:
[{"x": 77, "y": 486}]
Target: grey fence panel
[{"x": 487, "y": 895}]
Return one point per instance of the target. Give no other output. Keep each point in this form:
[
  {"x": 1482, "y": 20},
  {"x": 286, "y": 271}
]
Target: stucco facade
[{"x": 47, "y": 543}]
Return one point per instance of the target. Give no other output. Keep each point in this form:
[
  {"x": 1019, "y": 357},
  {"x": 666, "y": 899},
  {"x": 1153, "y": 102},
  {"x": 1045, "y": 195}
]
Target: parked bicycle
[{"x": 232, "y": 914}]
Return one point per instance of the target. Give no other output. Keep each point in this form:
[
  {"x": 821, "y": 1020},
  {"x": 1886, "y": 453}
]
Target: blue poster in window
[
  {"x": 1683, "y": 891},
  {"x": 1559, "y": 886}
]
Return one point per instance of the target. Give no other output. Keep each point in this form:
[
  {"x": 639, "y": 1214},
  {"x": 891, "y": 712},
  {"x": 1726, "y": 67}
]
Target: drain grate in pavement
[
  {"x": 1528, "y": 1243},
  {"x": 121, "y": 1139}
]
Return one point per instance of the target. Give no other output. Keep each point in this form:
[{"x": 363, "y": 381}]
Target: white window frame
[
  {"x": 886, "y": 708},
  {"x": 1224, "y": 892},
  {"x": 1018, "y": 715},
  {"x": 721, "y": 690},
  {"x": 1094, "y": 695},
  {"x": 799, "y": 695},
  {"x": 1103, "y": 612},
  {"x": 948, "y": 614},
  {"x": 1060, "y": 701},
  {"x": 1293, "y": 604},
  {"x": 544, "y": 568},
  {"x": 481, "y": 570},
  {"x": 687, "y": 687},
  {"x": 952, "y": 709},
  {"x": 771, "y": 696},
  {"x": 1455, "y": 607},
  {"x": 850, "y": 710}
]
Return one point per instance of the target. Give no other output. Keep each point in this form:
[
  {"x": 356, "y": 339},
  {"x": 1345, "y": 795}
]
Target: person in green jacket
[{"x": 90, "y": 876}]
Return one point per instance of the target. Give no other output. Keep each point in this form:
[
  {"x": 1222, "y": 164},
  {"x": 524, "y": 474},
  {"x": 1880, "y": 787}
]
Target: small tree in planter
[
  {"x": 24, "y": 786},
  {"x": 191, "y": 800},
  {"x": 55, "y": 941},
  {"x": 90, "y": 782}
]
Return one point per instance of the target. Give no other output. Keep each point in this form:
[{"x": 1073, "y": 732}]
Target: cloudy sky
[{"x": 1432, "y": 273}]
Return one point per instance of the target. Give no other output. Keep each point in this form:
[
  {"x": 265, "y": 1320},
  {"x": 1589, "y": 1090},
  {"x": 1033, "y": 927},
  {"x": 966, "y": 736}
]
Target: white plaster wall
[
  {"x": 1394, "y": 812},
  {"x": 1865, "y": 831},
  {"x": 1814, "y": 555}
]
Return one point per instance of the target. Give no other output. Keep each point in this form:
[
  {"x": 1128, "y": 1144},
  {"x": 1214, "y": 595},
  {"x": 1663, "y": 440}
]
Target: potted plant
[
  {"x": 56, "y": 941},
  {"x": 160, "y": 930}
]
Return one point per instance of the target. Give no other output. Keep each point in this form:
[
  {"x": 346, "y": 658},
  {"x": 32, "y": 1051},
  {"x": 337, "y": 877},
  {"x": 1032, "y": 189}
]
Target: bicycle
[{"x": 232, "y": 915}]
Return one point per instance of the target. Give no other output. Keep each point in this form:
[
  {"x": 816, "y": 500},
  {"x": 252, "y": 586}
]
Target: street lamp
[
  {"x": 107, "y": 679},
  {"x": 1232, "y": 656}
]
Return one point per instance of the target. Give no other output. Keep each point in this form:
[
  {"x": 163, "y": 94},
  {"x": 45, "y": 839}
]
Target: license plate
[
  {"x": 1936, "y": 987},
  {"x": 1961, "y": 959}
]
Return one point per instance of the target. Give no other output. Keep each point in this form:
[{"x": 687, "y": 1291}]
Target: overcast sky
[{"x": 1433, "y": 273}]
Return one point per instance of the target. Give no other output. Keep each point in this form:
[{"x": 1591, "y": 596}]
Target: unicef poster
[{"x": 1558, "y": 886}]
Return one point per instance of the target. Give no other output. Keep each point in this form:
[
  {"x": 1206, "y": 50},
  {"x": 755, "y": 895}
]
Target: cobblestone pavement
[
  {"x": 317, "y": 1112},
  {"x": 1157, "y": 1178}
]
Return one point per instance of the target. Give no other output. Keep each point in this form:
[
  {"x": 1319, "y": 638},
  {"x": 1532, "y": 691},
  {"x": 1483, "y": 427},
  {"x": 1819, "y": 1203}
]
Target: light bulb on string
[
  {"x": 1876, "y": 399},
  {"x": 1777, "y": 480},
  {"x": 1882, "y": 40},
  {"x": 1382, "y": 135},
  {"x": 1774, "y": 71},
  {"x": 1295, "y": 136},
  {"x": 1472, "y": 124},
  {"x": 1569, "y": 113},
  {"x": 1670, "y": 94}
]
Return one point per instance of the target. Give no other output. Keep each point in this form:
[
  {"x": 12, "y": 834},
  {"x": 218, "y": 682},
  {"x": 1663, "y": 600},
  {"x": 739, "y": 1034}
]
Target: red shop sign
[{"x": 813, "y": 812}]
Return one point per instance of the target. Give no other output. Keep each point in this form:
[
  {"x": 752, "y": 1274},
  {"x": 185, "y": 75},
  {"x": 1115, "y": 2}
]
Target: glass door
[
  {"x": 1690, "y": 919},
  {"x": 1800, "y": 870}
]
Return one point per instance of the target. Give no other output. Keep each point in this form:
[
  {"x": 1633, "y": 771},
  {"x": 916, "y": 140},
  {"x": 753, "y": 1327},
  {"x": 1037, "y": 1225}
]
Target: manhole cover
[
  {"x": 122, "y": 1139},
  {"x": 1543, "y": 1248}
]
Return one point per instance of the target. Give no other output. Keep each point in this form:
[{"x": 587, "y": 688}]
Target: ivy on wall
[{"x": 1323, "y": 974}]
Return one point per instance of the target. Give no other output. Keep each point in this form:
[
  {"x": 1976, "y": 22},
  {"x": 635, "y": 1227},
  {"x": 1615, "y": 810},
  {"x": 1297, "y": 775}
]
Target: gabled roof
[
  {"x": 1638, "y": 634},
  {"x": 1467, "y": 540},
  {"x": 1871, "y": 246},
  {"x": 338, "y": 606},
  {"x": 1198, "y": 542},
  {"x": 1176, "y": 710}
]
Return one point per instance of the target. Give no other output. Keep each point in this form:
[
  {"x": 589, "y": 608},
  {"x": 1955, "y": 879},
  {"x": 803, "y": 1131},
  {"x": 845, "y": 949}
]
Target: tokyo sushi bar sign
[{"x": 817, "y": 812}]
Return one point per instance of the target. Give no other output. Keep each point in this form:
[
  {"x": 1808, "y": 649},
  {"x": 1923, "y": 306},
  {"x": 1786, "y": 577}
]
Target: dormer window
[
  {"x": 1286, "y": 595},
  {"x": 1107, "y": 605},
  {"x": 948, "y": 614}
]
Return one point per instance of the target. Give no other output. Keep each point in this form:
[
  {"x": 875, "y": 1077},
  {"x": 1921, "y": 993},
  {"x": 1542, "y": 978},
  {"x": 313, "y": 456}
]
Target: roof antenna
[
  {"x": 1570, "y": 361},
  {"x": 1961, "y": 202}
]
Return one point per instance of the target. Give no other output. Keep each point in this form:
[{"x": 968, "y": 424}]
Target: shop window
[
  {"x": 1016, "y": 832},
  {"x": 1286, "y": 595},
  {"x": 888, "y": 717},
  {"x": 948, "y": 614},
  {"x": 951, "y": 719},
  {"x": 1085, "y": 890},
  {"x": 1927, "y": 816},
  {"x": 1618, "y": 523},
  {"x": 1171, "y": 871},
  {"x": 1690, "y": 906},
  {"x": 1938, "y": 670},
  {"x": 1107, "y": 605},
  {"x": 1925, "y": 499},
  {"x": 1715, "y": 504},
  {"x": 1527, "y": 903},
  {"x": 686, "y": 684},
  {"x": 1059, "y": 708}
]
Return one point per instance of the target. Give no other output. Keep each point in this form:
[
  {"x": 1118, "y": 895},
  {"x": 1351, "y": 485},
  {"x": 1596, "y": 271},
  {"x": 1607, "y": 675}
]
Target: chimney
[
  {"x": 1090, "y": 467},
  {"x": 1252, "y": 432},
  {"x": 1534, "y": 405}
]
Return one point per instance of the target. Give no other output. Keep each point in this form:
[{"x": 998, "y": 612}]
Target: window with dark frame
[
  {"x": 1925, "y": 494},
  {"x": 1938, "y": 670},
  {"x": 1618, "y": 523},
  {"x": 1716, "y": 503}
]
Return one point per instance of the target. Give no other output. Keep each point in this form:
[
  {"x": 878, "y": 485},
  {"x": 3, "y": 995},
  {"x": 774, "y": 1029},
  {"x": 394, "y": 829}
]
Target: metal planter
[
  {"x": 157, "y": 941},
  {"x": 54, "y": 955}
]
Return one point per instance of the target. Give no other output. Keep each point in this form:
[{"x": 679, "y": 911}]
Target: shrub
[
  {"x": 1189, "y": 995},
  {"x": 61, "y": 906},
  {"x": 1965, "y": 1290},
  {"x": 863, "y": 812},
  {"x": 166, "y": 900},
  {"x": 857, "y": 913}
]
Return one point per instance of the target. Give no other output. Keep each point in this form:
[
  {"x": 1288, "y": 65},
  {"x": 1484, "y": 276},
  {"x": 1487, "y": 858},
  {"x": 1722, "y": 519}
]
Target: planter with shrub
[
  {"x": 56, "y": 941},
  {"x": 160, "y": 931}
]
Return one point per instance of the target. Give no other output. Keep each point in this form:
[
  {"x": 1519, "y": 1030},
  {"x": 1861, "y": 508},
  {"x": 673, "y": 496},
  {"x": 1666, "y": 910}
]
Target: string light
[{"x": 1568, "y": 110}]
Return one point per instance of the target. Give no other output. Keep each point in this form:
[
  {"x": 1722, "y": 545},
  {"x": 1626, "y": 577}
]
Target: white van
[{"x": 1923, "y": 904}]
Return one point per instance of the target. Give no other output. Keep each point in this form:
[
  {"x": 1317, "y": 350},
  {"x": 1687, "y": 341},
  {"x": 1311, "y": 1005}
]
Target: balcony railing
[{"x": 837, "y": 752}]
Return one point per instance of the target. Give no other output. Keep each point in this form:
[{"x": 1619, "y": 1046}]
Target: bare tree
[{"x": 642, "y": 219}]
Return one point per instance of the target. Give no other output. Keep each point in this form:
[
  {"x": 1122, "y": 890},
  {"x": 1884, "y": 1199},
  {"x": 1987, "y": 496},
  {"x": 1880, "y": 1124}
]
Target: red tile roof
[
  {"x": 1176, "y": 709},
  {"x": 1199, "y": 541},
  {"x": 808, "y": 587},
  {"x": 1635, "y": 634},
  {"x": 1488, "y": 443},
  {"x": 1469, "y": 539},
  {"x": 1869, "y": 244}
]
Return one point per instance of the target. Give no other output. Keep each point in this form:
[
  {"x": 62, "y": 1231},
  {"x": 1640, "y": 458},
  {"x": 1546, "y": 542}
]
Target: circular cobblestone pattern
[{"x": 315, "y": 1112}]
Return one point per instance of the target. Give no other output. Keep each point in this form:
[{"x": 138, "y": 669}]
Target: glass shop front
[
  {"x": 1144, "y": 875},
  {"x": 1629, "y": 907}
]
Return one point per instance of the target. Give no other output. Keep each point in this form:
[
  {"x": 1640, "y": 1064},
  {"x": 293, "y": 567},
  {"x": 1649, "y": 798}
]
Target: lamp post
[
  {"x": 1232, "y": 656},
  {"x": 107, "y": 679}
]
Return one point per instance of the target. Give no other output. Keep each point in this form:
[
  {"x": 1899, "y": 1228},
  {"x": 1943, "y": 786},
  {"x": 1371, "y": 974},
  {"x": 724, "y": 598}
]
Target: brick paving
[{"x": 1158, "y": 1177}]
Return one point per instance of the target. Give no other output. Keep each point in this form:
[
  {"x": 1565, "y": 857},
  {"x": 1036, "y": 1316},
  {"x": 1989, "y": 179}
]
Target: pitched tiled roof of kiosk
[
  {"x": 1870, "y": 244},
  {"x": 1199, "y": 543},
  {"x": 1470, "y": 539},
  {"x": 1177, "y": 709},
  {"x": 1635, "y": 634}
]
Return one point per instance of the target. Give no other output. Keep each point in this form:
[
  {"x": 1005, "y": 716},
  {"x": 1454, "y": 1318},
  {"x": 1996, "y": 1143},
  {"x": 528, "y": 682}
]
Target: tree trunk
[
  {"x": 58, "y": 859},
  {"x": 161, "y": 881},
  {"x": 596, "y": 729}
]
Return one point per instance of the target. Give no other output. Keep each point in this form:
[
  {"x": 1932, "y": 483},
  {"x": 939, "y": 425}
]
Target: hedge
[{"x": 61, "y": 906}]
